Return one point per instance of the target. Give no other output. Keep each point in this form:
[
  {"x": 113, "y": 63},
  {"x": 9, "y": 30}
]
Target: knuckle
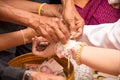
[
  {"x": 62, "y": 37},
  {"x": 45, "y": 34},
  {"x": 70, "y": 20},
  {"x": 50, "y": 31}
]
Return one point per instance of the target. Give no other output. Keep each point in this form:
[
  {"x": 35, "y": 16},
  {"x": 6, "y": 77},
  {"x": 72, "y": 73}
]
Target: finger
[
  {"x": 34, "y": 45},
  {"x": 52, "y": 34},
  {"x": 80, "y": 23},
  {"x": 79, "y": 31},
  {"x": 71, "y": 23},
  {"x": 42, "y": 43},
  {"x": 44, "y": 33},
  {"x": 58, "y": 32},
  {"x": 78, "y": 34},
  {"x": 64, "y": 29},
  {"x": 77, "y": 16},
  {"x": 42, "y": 39},
  {"x": 38, "y": 30},
  {"x": 61, "y": 36},
  {"x": 73, "y": 53},
  {"x": 72, "y": 35}
]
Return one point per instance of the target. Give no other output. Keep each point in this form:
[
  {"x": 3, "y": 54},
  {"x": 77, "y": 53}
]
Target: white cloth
[
  {"x": 113, "y": 1},
  {"x": 103, "y": 35}
]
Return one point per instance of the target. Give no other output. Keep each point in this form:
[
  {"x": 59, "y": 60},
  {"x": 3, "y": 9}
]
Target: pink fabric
[{"x": 99, "y": 11}]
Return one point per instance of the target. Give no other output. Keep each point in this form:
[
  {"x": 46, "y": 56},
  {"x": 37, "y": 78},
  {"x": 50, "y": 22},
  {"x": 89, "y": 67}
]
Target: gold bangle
[
  {"x": 78, "y": 54},
  {"x": 40, "y": 8}
]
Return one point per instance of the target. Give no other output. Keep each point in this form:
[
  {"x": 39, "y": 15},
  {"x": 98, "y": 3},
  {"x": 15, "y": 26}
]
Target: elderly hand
[
  {"x": 42, "y": 48},
  {"x": 51, "y": 28},
  {"x": 72, "y": 18},
  {"x": 44, "y": 76},
  {"x": 55, "y": 28}
]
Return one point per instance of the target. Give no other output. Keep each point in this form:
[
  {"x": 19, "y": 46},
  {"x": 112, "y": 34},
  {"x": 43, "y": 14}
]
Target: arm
[
  {"x": 47, "y": 10},
  {"x": 101, "y": 59},
  {"x": 50, "y": 28},
  {"x": 17, "y": 16},
  {"x": 6, "y": 71},
  {"x": 19, "y": 73},
  {"x": 16, "y": 38},
  {"x": 29, "y": 6},
  {"x": 72, "y": 18}
]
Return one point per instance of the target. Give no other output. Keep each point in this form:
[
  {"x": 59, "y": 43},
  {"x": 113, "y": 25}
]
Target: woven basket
[{"x": 21, "y": 60}]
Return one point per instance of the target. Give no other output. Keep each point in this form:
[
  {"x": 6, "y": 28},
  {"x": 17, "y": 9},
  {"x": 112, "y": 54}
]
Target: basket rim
[
  {"x": 29, "y": 54},
  {"x": 14, "y": 60}
]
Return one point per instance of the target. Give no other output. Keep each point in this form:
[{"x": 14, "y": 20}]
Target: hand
[
  {"x": 51, "y": 28},
  {"x": 56, "y": 30},
  {"x": 44, "y": 76},
  {"x": 73, "y": 19},
  {"x": 48, "y": 50}
]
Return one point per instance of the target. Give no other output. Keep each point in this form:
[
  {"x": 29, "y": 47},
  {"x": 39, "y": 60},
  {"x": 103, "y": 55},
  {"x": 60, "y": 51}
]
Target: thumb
[
  {"x": 34, "y": 40},
  {"x": 71, "y": 23}
]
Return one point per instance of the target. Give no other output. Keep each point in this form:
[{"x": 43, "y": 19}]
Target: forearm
[
  {"x": 33, "y": 7},
  {"x": 13, "y": 39},
  {"x": 26, "y": 5},
  {"x": 17, "y": 16},
  {"x": 101, "y": 59},
  {"x": 6, "y": 71}
]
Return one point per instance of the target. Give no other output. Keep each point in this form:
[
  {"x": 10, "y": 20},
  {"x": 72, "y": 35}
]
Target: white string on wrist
[{"x": 23, "y": 37}]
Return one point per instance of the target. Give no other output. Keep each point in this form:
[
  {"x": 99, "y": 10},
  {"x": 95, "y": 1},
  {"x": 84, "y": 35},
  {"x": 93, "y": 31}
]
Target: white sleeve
[
  {"x": 113, "y": 1},
  {"x": 103, "y": 35}
]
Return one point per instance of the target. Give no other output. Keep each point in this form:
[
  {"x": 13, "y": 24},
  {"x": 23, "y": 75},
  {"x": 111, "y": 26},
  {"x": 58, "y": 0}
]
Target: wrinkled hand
[
  {"x": 44, "y": 76},
  {"x": 73, "y": 19},
  {"x": 56, "y": 29},
  {"x": 48, "y": 50},
  {"x": 52, "y": 29}
]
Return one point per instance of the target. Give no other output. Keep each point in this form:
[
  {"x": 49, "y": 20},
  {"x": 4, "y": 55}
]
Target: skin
[
  {"x": 44, "y": 76},
  {"x": 50, "y": 28},
  {"x": 72, "y": 18},
  {"x": 69, "y": 14},
  {"x": 12, "y": 39},
  {"x": 89, "y": 56}
]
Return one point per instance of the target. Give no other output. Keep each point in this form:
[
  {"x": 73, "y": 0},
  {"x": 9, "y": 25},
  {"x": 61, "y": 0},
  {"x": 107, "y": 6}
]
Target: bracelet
[
  {"x": 40, "y": 8},
  {"x": 78, "y": 54},
  {"x": 23, "y": 37}
]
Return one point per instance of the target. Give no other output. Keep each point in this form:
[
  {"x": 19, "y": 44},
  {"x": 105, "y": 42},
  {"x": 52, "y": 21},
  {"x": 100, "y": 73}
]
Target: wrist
[
  {"x": 78, "y": 56},
  {"x": 29, "y": 34},
  {"x": 60, "y": 8},
  {"x": 44, "y": 9},
  {"x": 40, "y": 8}
]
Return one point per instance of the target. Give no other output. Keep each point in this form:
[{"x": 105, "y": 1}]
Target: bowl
[{"x": 29, "y": 58}]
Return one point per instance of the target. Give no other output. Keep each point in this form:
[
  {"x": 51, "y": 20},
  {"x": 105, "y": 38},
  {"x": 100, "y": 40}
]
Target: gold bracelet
[
  {"x": 40, "y": 8},
  {"x": 78, "y": 54}
]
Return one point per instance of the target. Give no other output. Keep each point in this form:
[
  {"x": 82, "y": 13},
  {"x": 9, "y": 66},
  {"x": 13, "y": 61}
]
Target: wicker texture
[{"x": 28, "y": 58}]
